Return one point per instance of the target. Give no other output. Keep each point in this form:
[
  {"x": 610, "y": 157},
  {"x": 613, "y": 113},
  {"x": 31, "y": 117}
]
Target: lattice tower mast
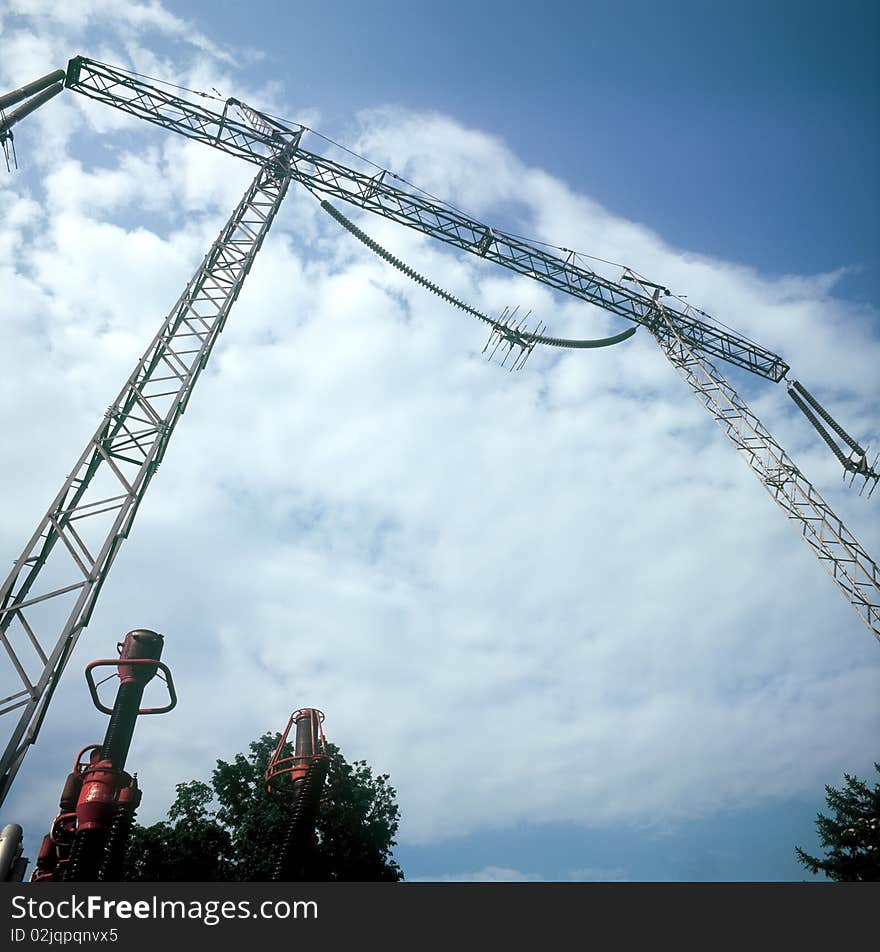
[
  {"x": 64, "y": 564},
  {"x": 130, "y": 442}
]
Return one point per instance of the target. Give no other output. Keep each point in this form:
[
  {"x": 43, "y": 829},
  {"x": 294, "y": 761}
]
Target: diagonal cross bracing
[
  {"x": 54, "y": 586},
  {"x": 253, "y": 143},
  {"x": 854, "y": 572}
]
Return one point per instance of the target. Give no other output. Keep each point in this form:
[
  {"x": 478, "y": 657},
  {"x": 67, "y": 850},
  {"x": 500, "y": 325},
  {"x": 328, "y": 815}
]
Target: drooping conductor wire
[
  {"x": 508, "y": 334},
  {"x": 49, "y": 595},
  {"x": 299, "y": 778}
]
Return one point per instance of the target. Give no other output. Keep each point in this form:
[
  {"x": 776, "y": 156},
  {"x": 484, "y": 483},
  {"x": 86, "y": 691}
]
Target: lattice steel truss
[
  {"x": 222, "y": 131},
  {"x": 854, "y": 572},
  {"x": 94, "y": 510}
]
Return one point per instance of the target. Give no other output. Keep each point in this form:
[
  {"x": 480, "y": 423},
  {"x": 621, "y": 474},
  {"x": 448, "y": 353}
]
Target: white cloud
[
  {"x": 128, "y": 19},
  {"x": 539, "y": 597}
]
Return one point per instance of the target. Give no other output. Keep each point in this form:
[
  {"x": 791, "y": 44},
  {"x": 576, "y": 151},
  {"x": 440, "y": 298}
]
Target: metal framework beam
[
  {"x": 54, "y": 586},
  {"x": 55, "y": 581},
  {"x": 222, "y": 131},
  {"x": 854, "y": 572}
]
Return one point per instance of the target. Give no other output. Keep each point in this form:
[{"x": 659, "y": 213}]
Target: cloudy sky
[{"x": 553, "y": 605}]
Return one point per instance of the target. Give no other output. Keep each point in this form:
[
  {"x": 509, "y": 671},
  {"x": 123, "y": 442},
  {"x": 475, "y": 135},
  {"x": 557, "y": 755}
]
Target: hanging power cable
[{"x": 504, "y": 331}]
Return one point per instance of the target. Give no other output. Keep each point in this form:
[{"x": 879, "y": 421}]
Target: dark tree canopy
[
  {"x": 851, "y": 835},
  {"x": 227, "y": 831}
]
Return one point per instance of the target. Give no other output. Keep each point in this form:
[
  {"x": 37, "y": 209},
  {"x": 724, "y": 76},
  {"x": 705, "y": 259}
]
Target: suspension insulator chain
[
  {"x": 375, "y": 247},
  {"x": 857, "y": 462},
  {"x": 818, "y": 427},
  {"x": 826, "y": 416}
]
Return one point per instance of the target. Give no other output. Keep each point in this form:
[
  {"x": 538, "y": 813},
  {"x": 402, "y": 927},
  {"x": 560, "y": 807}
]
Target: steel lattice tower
[
  {"x": 95, "y": 508},
  {"x": 66, "y": 561}
]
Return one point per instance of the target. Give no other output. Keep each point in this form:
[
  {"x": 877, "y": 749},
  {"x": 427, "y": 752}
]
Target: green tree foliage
[
  {"x": 190, "y": 846},
  {"x": 851, "y": 835},
  {"x": 228, "y": 831}
]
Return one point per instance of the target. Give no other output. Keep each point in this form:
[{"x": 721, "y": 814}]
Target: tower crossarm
[
  {"x": 47, "y": 599},
  {"x": 252, "y": 142},
  {"x": 257, "y": 141}
]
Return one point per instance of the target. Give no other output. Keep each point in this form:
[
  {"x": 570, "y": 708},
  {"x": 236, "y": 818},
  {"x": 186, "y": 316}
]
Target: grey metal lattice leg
[
  {"x": 854, "y": 572},
  {"x": 54, "y": 586}
]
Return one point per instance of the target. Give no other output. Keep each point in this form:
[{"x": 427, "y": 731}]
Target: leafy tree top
[
  {"x": 229, "y": 830},
  {"x": 850, "y": 835}
]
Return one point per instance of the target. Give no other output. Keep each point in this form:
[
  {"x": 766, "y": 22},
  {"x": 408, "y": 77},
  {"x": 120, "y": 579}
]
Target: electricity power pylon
[{"x": 61, "y": 570}]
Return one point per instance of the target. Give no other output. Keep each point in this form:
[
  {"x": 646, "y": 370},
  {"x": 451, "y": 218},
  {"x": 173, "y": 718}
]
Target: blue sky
[
  {"x": 680, "y": 116},
  {"x": 654, "y": 676}
]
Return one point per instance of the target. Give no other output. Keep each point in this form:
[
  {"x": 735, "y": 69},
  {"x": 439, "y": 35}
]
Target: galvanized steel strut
[
  {"x": 631, "y": 297},
  {"x": 109, "y": 480},
  {"x": 93, "y": 512}
]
